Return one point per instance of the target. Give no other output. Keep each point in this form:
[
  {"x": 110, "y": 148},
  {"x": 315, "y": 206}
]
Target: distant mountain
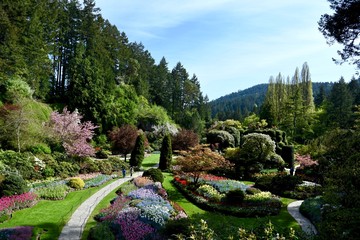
[{"x": 240, "y": 104}]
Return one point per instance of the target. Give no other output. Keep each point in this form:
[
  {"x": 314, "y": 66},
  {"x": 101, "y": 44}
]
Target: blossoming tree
[{"x": 75, "y": 136}]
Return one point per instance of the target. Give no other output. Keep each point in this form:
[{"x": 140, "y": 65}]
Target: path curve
[
  {"x": 75, "y": 226},
  {"x": 305, "y": 224}
]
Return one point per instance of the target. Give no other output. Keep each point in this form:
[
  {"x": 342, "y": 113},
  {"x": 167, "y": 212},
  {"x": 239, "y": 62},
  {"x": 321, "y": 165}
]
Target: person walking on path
[
  {"x": 124, "y": 172},
  {"x": 131, "y": 171}
]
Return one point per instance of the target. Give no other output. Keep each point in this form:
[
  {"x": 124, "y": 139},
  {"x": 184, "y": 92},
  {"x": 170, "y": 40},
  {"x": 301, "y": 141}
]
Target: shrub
[
  {"x": 184, "y": 140},
  {"x": 76, "y": 183},
  {"x": 40, "y": 148},
  {"x": 155, "y": 174},
  {"x": 118, "y": 164},
  {"x": 88, "y": 165},
  {"x": 102, "y": 154},
  {"x": 252, "y": 191},
  {"x": 223, "y": 138},
  {"x": 52, "y": 192},
  {"x": 210, "y": 193},
  {"x": 235, "y": 196},
  {"x": 137, "y": 154},
  {"x": 283, "y": 182},
  {"x": 105, "y": 167},
  {"x": 101, "y": 231},
  {"x": 66, "y": 169},
  {"x": 175, "y": 227},
  {"x": 19, "y": 162},
  {"x": 165, "y": 153},
  {"x": 311, "y": 208},
  {"x": 13, "y": 184},
  {"x": 264, "y": 182}
]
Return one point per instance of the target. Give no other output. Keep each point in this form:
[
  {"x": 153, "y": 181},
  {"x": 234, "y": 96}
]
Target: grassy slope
[{"x": 48, "y": 215}]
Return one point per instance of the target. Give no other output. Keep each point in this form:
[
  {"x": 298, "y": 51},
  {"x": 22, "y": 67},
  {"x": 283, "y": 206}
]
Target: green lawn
[
  {"x": 151, "y": 161},
  {"x": 50, "y": 216}
]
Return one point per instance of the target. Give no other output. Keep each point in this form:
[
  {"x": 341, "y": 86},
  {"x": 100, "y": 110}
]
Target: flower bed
[
  {"x": 140, "y": 214},
  {"x": 16, "y": 202},
  {"x": 97, "y": 180},
  {"x": 210, "y": 198},
  {"x": 16, "y": 233}
]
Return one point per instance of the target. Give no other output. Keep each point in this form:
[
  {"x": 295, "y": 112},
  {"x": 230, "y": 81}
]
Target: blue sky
[{"x": 231, "y": 45}]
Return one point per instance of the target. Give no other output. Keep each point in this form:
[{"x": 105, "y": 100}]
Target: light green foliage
[
  {"x": 76, "y": 183},
  {"x": 16, "y": 89},
  {"x": 210, "y": 192},
  {"x": 257, "y": 147},
  {"x": 253, "y": 122},
  {"x": 200, "y": 231}
]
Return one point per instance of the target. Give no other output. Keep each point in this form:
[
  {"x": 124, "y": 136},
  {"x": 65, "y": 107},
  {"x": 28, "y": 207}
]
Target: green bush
[
  {"x": 18, "y": 162},
  {"x": 137, "y": 154},
  {"x": 40, "y": 148},
  {"x": 178, "y": 226},
  {"x": 105, "y": 167},
  {"x": 102, "y": 154},
  {"x": 100, "y": 232},
  {"x": 76, "y": 183},
  {"x": 284, "y": 182},
  {"x": 12, "y": 184},
  {"x": 311, "y": 208},
  {"x": 117, "y": 164},
  {"x": 165, "y": 153},
  {"x": 235, "y": 196},
  {"x": 155, "y": 174},
  {"x": 252, "y": 191},
  {"x": 67, "y": 169},
  {"x": 264, "y": 182},
  {"x": 88, "y": 165}
]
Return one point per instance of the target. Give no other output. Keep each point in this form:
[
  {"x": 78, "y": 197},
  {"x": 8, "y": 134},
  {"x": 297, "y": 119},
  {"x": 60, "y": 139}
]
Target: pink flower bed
[{"x": 15, "y": 202}]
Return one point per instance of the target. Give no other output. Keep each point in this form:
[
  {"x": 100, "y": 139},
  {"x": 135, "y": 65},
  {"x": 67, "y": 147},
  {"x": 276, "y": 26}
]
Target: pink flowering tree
[{"x": 74, "y": 135}]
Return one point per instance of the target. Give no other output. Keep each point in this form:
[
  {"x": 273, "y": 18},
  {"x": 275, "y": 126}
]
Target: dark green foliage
[
  {"x": 155, "y": 174},
  {"x": 12, "y": 184},
  {"x": 165, "y": 153},
  {"x": 252, "y": 190},
  {"x": 284, "y": 182},
  {"x": 101, "y": 154},
  {"x": 178, "y": 226},
  {"x": 235, "y": 196},
  {"x": 101, "y": 231},
  {"x": 287, "y": 154},
  {"x": 105, "y": 167},
  {"x": 88, "y": 165},
  {"x": 66, "y": 169},
  {"x": 311, "y": 208},
  {"x": 20, "y": 162},
  {"x": 221, "y": 138},
  {"x": 137, "y": 154},
  {"x": 118, "y": 164},
  {"x": 264, "y": 182}
]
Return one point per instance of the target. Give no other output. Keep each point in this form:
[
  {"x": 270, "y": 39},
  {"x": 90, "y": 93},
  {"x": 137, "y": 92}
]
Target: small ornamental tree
[
  {"x": 123, "y": 139},
  {"x": 198, "y": 160},
  {"x": 137, "y": 154},
  {"x": 184, "y": 140},
  {"x": 165, "y": 153},
  {"x": 75, "y": 136}
]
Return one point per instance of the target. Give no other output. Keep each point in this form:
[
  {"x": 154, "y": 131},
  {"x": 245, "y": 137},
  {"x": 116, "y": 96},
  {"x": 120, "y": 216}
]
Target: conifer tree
[
  {"x": 166, "y": 153},
  {"x": 137, "y": 154}
]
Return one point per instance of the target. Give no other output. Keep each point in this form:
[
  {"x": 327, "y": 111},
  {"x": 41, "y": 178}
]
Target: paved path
[
  {"x": 74, "y": 228},
  {"x": 304, "y": 223}
]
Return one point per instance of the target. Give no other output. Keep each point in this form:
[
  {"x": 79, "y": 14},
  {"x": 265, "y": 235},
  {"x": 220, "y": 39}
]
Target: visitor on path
[
  {"x": 131, "y": 171},
  {"x": 123, "y": 172}
]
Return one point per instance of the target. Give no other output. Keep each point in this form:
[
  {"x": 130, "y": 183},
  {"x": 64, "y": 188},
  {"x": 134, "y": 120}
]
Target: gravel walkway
[
  {"x": 304, "y": 223},
  {"x": 74, "y": 228}
]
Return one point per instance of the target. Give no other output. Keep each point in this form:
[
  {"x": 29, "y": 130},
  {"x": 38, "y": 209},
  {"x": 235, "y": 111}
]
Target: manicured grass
[
  {"x": 151, "y": 161},
  {"x": 50, "y": 216},
  {"x": 217, "y": 221}
]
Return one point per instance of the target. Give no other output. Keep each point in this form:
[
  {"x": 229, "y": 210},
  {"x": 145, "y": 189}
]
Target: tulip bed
[
  {"x": 211, "y": 194},
  {"x": 139, "y": 214}
]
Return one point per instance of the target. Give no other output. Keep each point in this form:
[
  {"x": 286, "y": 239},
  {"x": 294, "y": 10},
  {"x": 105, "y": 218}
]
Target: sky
[{"x": 231, "y": 45}]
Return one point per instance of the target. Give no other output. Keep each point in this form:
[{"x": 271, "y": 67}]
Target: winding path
[
  {"x": 304, "y": 223},
  {"x": 75, "y": 227}
]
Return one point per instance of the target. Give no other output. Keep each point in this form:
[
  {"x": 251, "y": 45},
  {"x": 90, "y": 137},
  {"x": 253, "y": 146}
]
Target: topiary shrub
[
  {"x": 221, "y": 137},
  {"x": 12, "y": 184},
  {"x": 137, "y": 154},
  {"x": 76, "y": 183},
  {"x": 235, "y": 196},
  {"x": 284, "y": 182},
  {"x": 165, "y": 154},
  {"x": 155, "y": 174}
]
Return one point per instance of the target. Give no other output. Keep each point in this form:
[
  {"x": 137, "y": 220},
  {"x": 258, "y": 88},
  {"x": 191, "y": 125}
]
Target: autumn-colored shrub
[{"x": 184, "y": 140}]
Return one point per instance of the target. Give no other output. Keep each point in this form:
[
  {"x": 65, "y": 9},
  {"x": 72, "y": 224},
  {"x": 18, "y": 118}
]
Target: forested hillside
[{"x": 69, "y": 55}]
